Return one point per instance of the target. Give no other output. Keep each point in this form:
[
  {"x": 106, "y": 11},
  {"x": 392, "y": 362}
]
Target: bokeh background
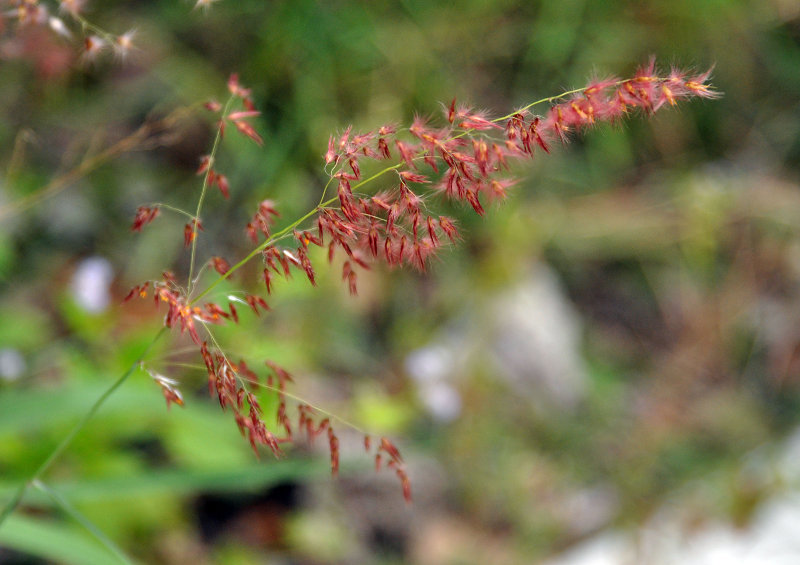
[{"x": 606, "y": 370}]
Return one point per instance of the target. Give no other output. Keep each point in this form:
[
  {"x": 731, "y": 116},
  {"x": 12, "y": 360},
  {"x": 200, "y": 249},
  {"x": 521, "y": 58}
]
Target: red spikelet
[
  {"x": 305, "y": 264},
  {"x": 333, "y": 445},
  {"x": 190, "y": 232},
  {"x": 140, "y": 289},
  {"x": 144, "y": 215},
  {"x": 248, "y": 130},
  {"x": 405, "y": 483},
  {"x": 349, "y": 275},
  {"x": 474, "y": 201},
  {"x": 267, "y": 275},
  {"x": 220, "y": 265},
  {"x": 390, "y": 449},
  {"x": 256, "y": 302},
  {"x": 222, "y": 183}
]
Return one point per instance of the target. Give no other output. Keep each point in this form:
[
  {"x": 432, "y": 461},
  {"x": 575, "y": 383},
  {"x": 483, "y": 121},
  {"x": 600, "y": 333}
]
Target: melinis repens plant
[
  {"x": 65, "y": 19},
  {"x": 464, "y": 158}
]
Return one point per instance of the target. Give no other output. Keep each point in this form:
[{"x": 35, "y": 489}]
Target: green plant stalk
[
  {"x": 211, "y": 157},
  {"x": 62, "y": 446},
  {"x": 83, "y": 520}
]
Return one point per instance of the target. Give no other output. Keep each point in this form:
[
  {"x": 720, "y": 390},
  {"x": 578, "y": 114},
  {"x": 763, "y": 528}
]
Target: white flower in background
[
  {"x": 12, "y": 364},
  {"x": 430, "y": 367},
  {"x": 91, "y": 283}
]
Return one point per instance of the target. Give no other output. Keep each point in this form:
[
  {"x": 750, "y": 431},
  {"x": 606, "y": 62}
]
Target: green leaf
[
  {"x": 177, "y": 482},
  {"x": 48, "y": 540}
]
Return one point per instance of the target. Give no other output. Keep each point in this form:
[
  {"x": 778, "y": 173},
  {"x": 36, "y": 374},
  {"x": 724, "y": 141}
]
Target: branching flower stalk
[
  {"x": 524, "y": 133},
  {"x": 466, "y": 159},
  {"x": 209, "y": 176}
]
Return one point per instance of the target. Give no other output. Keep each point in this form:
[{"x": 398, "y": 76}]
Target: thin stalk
[
  {"x": 211, "y": 157},
  {"x": 62, "y": 446},
  {"x": 83, "y": 520},
  {"x": 87, "y": 25},
  {"x": 550, "y": 99},
  {"x": 178, "y": 211}
]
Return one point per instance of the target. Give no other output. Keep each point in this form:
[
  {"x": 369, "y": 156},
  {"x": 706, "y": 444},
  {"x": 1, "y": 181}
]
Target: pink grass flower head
[
  {"x": 466, "y": 160},
  {"x": 124, "y": 45}
]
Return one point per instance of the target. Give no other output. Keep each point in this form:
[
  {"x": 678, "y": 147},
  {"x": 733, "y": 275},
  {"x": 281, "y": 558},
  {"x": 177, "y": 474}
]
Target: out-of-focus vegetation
[{"x": 625, "y": 327}]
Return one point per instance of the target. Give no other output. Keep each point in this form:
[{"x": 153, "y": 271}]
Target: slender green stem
[
  {"x": 206, "y": 178},
  {"x": 83, "y": 520},
  {"x": 324, "y": 192},
  {"x": 375, "y": 176},
  {"x": 173, "y": 209},
  {"x": 551, "y": 99},
  {"x": 62, "y": 446},
  {"x": 87, "y": 25}
]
